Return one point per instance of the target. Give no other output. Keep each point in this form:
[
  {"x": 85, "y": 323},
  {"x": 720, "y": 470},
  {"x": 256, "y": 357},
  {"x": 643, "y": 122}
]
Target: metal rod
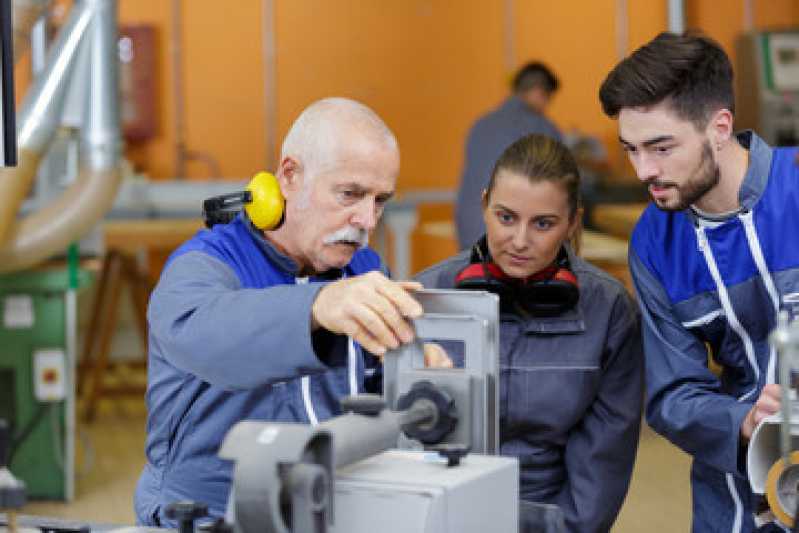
[
  {"x": 676, "y": 16},
  {"x": 356, "y": 437}
]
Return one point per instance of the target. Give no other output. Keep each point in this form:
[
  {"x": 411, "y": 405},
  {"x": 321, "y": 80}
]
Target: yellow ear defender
[{"x": 262, "y": 201}]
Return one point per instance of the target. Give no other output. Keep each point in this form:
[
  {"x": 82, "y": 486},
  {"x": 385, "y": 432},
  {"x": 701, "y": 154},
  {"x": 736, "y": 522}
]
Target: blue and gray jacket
[
  {"x": 717, "y": 288},
  {"x": 230, "y": 339}
]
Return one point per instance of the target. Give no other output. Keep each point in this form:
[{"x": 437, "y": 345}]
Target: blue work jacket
[
  {"x": 716, "y": 287},
  {"x": 230, "y": 339}
]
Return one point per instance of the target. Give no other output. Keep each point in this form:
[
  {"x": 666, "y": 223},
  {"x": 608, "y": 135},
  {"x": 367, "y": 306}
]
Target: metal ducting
[
  {"x": 25, "y": 242},
  {"x": 26, "y": 13}
]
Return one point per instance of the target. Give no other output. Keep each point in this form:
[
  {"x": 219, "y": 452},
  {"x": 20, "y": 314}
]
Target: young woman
[{"x": 570, "y": 350}]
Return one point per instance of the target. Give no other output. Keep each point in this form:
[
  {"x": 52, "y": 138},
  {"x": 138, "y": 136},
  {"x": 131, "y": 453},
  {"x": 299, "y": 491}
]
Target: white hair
[{"x": 313, "y": 137}]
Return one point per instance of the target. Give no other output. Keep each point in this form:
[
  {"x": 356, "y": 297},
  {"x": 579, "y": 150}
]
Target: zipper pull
[{"x": 701, "y": 239}]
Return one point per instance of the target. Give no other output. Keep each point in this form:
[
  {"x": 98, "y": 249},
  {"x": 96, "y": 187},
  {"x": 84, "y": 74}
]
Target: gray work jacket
[{"x": 571, "y": 390}]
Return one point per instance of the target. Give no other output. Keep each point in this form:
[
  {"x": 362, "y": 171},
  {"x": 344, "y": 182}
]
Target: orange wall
[{"x": 429, "y": 67}]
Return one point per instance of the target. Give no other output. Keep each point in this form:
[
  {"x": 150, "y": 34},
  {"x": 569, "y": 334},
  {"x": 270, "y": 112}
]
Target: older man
[{"x": 270, "y": 325}]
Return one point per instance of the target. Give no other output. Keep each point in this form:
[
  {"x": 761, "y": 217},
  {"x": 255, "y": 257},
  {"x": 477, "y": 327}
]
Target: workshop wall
[{"x": 428, "y": 67}]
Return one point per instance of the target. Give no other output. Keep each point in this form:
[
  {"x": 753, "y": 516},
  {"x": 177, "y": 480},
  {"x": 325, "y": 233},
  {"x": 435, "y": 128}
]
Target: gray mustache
[{"x": 348, "y": 235}]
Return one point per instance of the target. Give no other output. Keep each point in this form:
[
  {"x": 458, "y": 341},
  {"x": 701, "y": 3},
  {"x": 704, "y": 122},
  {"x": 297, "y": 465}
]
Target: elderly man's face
[{"x": 333, "y": 211}]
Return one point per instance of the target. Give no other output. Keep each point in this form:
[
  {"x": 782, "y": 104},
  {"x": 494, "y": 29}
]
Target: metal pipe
[
  {"x": 40, "y": 115},
  {"x": 25, "y": 15},
  {"x": 676, "y": 16},
  {"x": 51, "y": 229},
  {"x": 356, "y": 437}
]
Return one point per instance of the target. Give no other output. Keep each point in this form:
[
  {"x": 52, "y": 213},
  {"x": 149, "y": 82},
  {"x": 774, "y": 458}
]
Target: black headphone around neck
[{"x": 547, "y": 293}]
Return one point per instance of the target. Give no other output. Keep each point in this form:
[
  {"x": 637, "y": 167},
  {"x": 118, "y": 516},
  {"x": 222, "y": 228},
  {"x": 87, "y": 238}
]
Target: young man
[
  {"x": 711, "y": 259},
  {"x": 271, "y": 325}
]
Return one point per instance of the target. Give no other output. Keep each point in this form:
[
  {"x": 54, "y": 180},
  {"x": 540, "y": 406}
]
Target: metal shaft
[{"x": 356, "y": 437}]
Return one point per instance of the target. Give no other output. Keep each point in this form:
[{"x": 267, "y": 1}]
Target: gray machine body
[
  {"x": 400, "y": 491},
  {"x": 284, "y": 473},
  {"x": 473, "y": 318},
  {"x": 767, "y": 85}
]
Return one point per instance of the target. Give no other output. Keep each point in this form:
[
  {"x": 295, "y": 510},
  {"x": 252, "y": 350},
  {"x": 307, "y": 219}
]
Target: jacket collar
[
  {"x": 281, "y": 261},
  {"x": 756, "y": 176}
]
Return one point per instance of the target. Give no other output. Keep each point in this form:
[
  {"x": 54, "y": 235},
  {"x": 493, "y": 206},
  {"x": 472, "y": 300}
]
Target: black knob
[
  {"x": 363, "y": 404},
  {"x": 446, "y": 412},
  {"x": 186, "y": 513},
  {"x": 453, "y": 453}
]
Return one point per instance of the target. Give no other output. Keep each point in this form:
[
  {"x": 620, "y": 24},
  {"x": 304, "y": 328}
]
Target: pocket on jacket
[{"x": 551, "y": 397}]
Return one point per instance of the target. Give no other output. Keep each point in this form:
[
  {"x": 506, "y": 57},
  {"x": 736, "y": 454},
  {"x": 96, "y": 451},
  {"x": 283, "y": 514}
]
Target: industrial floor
[{"x": 110, "y": 453}]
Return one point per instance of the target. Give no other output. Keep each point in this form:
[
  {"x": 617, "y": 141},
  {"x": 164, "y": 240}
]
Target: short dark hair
[
  {"x": 689, "y": 70},
  {"x": 535, "y": 74}
]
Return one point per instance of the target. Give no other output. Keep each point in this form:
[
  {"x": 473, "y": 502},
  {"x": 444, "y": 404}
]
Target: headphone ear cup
[
  {"x": 483, "y": 277},
  {"x": 267, "y": 206},
  {"x": 552, "y": 296}
]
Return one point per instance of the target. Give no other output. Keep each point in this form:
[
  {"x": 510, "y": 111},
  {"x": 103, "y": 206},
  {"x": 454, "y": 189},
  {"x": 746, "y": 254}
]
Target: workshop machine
[
  {"x": 773, "y": 454},
  {"x": 346, "y": 474},
  {"x": 767, "y": 85},
  {"x": 38, "y": 324}
]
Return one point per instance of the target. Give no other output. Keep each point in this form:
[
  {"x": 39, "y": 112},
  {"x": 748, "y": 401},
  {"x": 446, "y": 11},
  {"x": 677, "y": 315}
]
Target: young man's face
[{"x": 669, "y": 154}]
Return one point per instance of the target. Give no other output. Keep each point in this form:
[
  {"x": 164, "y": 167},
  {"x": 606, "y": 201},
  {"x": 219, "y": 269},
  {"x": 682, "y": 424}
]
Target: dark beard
[{"x": 706, "y": 176}]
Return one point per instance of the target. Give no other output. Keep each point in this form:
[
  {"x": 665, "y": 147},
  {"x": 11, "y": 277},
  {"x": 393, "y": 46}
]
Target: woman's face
[{"x": 526, "y": 223}]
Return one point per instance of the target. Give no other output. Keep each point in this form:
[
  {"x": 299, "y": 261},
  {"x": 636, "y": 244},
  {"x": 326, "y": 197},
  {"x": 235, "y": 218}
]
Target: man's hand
[
  {"x": 435, "y": 356},
  {"x": 370, "y": 308},
  {"x": 766, "y": 405}
]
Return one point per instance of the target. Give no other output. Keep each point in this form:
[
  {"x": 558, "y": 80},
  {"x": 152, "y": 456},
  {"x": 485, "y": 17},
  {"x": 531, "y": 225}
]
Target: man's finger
[
  {"x": 403, "y": 301},
  {"x": 768, "y": 404},
  {"x": 412, "y": 286},
  {"x": 373, "y": 323},
  {"x": 366, "y": 340},
  {"x": 772, "y": 391},
  {"x": 435, "y": 356},
  {"x": 391, "y": 316}
]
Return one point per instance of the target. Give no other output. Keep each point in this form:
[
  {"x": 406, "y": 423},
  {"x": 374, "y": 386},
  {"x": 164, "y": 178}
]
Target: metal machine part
[
  {"x": 782, "y": 488},
  {"x": 283, "y": 478},
  {"x": 767, "y": 85},
  {"x": 473, "y": 318},
  {"x": 85, "y": 54},
  {"x": 284, "y": 473},
  {"x": 772, "y": 457}
]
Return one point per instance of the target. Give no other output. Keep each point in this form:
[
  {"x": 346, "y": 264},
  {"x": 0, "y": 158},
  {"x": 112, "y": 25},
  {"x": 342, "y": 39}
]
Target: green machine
[{"x": 37, "y": 375}]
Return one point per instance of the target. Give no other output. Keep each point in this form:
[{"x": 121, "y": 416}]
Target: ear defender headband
[
  {"x": 547, "y": 293},
  {"x": 262, "y": 200}
]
